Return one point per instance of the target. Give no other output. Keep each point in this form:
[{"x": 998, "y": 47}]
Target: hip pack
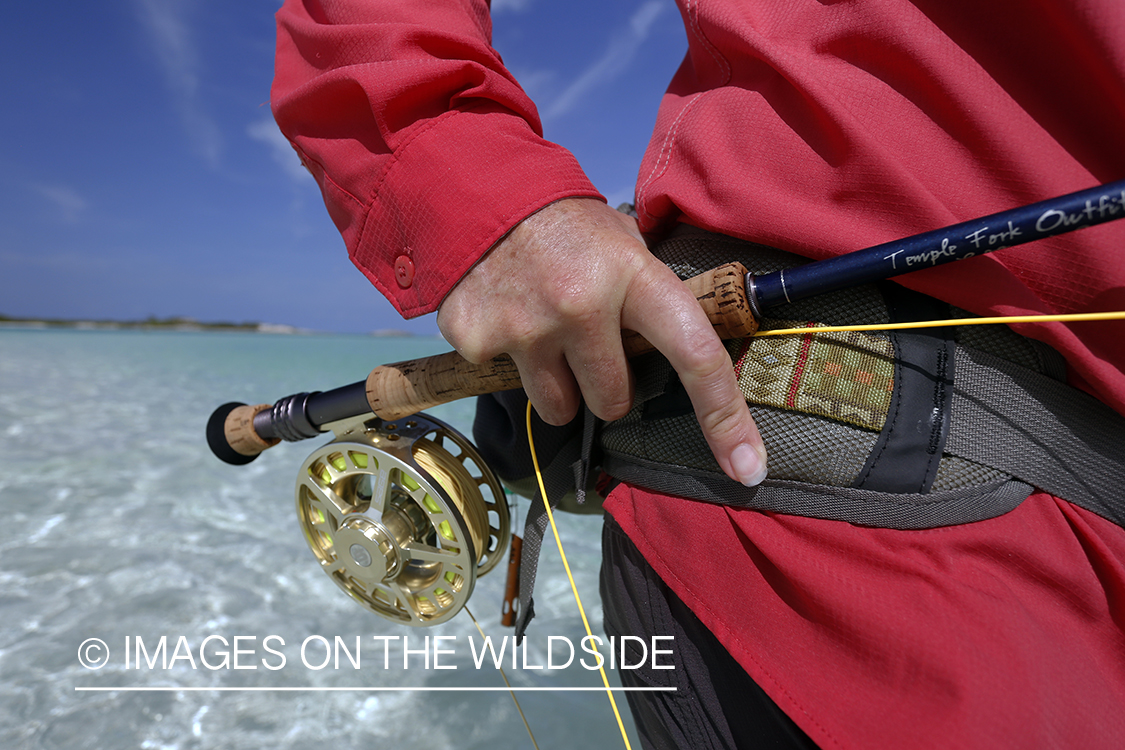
[
  {"x": 900, "y": 430},
  {"x": 904, "y": 430}
]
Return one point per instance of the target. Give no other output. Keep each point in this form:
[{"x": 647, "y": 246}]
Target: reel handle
[{"x": 238, "y": 433}]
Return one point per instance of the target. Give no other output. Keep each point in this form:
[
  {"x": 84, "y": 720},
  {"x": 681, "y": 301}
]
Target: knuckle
[
  {"x": 474, "y": 353},
  {"x": 472, "y": 347},
  {"x": 551, "y": 390},
  {"x": 479, "y": 339},
  {"x": 463, "y": 338},
  {"x": 606, "y": 383},
  {"x": 616, "y": 406},
  {"x": 578, "y": 308},
  {"x": 705, "y": 360},
  {"x": 556, "y": 409}
]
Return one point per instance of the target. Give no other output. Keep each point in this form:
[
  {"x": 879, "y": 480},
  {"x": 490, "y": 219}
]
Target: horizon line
[{"x": 402, "y": 689}]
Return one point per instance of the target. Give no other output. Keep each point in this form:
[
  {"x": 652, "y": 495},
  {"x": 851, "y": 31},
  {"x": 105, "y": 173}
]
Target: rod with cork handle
[
  {"x": 733, "y": 300},
  {"x": 238, "y": 433}
]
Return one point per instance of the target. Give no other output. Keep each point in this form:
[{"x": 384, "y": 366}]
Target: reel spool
[{"x": 403, "y": 516}]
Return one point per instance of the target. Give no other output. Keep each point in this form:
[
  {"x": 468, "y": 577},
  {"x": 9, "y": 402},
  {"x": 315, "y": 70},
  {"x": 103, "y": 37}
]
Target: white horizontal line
[{"x": 377, "y": 689}]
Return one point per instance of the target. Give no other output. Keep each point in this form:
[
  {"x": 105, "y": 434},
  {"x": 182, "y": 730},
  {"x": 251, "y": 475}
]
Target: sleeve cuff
[{"x": 451, "y": 193}]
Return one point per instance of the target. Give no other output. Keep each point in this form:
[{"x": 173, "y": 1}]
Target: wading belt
[{"x": 904, "y": 430}]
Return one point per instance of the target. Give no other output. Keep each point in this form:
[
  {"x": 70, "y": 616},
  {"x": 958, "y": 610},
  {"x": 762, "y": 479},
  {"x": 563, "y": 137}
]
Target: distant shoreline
[{"x": 173, "y": 324}]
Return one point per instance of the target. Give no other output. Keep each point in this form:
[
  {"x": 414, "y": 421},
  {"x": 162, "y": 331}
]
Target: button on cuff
[{"x": 404, "y": 271}]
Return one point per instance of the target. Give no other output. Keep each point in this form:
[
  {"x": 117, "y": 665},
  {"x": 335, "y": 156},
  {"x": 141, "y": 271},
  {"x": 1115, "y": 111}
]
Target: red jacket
[{"x": 840, "y": 125}]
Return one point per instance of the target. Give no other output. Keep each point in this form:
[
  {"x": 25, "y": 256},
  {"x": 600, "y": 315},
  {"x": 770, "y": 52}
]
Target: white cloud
[
  {"x": 69, "y": 203},
  {"x": 169, "y": 34},
  {"x": 614, "y": 61},
  {"x": 265, "y": 131}
]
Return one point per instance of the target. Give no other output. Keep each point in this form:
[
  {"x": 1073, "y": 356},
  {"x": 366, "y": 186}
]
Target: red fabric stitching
[{"x": 802, "y": 360}]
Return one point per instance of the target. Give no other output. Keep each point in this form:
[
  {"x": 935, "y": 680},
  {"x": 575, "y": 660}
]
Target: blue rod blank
[{"x": 1047, "y": 218}]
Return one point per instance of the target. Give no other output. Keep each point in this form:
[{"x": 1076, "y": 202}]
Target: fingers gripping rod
[{"x": 238, "y": 433}]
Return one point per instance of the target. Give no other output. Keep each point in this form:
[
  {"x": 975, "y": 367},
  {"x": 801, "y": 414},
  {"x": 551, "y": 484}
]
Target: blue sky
[{"x": 141, "y": 172}]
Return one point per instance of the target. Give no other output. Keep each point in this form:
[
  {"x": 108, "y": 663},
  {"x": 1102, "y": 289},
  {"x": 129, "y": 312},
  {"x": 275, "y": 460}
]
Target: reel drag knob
[{"x": 403, "y": 517}]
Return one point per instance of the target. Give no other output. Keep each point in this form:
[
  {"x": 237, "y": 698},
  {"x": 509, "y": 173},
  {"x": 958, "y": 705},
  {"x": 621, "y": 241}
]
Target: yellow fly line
[
  {"x": 569, "y": 575},
  {"x": 1071, "y": 318}
]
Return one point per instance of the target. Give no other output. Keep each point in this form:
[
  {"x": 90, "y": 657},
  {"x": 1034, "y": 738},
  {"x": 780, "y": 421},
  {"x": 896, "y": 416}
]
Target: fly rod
[{"x": 733, "y": 299}]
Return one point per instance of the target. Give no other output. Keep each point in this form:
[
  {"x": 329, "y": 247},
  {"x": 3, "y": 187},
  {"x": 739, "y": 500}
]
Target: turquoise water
[{"x": 119, "y": 524}]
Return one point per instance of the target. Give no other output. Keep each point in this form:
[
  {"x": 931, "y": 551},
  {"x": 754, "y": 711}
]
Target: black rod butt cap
[{"x": 217, "y": 436}]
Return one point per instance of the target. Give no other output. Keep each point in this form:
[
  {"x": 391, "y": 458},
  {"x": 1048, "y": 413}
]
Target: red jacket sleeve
[{"x": 426, "y": 149}]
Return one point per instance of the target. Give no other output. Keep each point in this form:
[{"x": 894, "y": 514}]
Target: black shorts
[{"x": 716, "y": 704}]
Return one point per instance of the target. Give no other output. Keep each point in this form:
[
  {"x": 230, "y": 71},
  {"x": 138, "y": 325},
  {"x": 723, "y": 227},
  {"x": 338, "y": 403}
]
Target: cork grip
[
  {"x": 721, "y": 292},
  {"x": 404, "y": 388},
  {"x": 231, "y": 435},
  {"x": 399, "y": 390},
  {"x": 239, "y": 429}
]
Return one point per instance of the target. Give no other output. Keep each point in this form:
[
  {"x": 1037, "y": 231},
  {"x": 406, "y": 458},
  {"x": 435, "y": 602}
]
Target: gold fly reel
[{"x": 403, "y": 516}]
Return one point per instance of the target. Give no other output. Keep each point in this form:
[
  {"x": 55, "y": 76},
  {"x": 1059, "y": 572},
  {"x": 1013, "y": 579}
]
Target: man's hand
[{"x": 556, "y": 293}]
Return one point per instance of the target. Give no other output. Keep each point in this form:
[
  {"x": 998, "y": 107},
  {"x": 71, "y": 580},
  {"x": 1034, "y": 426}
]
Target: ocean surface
[{"x": 119, "y": 525}]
